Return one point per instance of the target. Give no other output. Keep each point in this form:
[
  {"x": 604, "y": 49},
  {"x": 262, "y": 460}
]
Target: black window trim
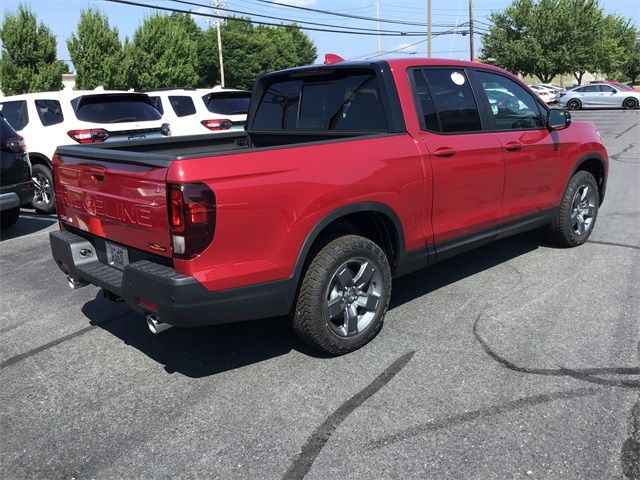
[
  {"x": 486, "y": 106},
  {"x": 416, "y": 101}
]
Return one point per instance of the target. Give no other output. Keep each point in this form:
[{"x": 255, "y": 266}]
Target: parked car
[
  {"x": 600, "y": 95},
  {"x": 192, "y": 112},
  {"x": 547, "y": 94},
  {"x": 347, "y": 176},
  {"x": 49, "y": 119},
  {"x": 16, "y": 188}
]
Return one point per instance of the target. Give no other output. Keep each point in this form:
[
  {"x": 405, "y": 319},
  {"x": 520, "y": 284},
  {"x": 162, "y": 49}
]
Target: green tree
[
  {"x": 28, "y": 62},
  {"x": 631, "y": 64},
  {"x": 251, "y": 50},
  {"x": 96, "y": 53},
  {"x": 554, "y": 37},
  {"x": 164, "y": 52}
]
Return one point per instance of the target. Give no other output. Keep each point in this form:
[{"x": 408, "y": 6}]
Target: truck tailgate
[{"x": 123, "y": 202}]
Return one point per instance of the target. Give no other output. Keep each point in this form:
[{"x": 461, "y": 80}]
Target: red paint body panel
[{"x": 120, "y": 202}]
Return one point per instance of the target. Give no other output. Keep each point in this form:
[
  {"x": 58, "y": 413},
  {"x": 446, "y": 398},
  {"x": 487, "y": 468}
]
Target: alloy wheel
[
  {"x": 583, "y": 209},
  {"x": 42, "y": 190}
]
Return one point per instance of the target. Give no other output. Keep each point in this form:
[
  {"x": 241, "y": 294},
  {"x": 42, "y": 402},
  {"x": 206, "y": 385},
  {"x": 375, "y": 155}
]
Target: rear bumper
[
  {"x": 180, "y": 300},
  {"x": 17, "y": 195}
]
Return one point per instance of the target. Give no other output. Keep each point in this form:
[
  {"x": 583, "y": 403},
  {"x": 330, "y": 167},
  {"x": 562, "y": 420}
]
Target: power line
[
  {"x": 240, "y": 12},
  {"x": 328, "y": 12},
  {"x": 257, "y": 22}
]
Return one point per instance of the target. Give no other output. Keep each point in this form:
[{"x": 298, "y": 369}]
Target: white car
[
  {"x": 545, "y": 93},
  {"x": 47, "y": 120},
  {"x": 198, "y": 111}
]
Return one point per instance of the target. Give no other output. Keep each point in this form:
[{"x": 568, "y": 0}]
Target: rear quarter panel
[{"x": 268, "y": 201}]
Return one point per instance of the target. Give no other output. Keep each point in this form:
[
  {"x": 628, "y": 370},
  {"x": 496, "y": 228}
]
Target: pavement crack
[
  {"x": 623, "y": 245},
  {"x": 482, "y": 413},
  {"x": 320, "y": 436},
  {"x": 625, "y": 131}
]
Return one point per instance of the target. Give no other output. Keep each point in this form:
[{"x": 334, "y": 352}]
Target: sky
[{"x": 61, "y": 16}]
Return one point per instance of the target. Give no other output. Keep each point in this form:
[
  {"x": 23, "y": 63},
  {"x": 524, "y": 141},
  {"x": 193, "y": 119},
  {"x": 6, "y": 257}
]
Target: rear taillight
[
  {"x": 90, "y": 135},
  {"x": 217, "y": 124},
  {"x": 165, "y": 129},
  {"x": 15, "y": 144},
  {"x": 562, "y": 94},
  {"x": 192, "y": 218}
]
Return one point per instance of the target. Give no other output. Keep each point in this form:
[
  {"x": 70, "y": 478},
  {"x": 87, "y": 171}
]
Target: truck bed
[{"x": 160, "y": 152}]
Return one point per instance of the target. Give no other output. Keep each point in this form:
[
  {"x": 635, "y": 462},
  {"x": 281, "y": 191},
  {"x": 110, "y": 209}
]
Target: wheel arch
[
  {"x": 595, "y": 165},
  {"x": 372, "y": 220},
  {"x": 40, "y": 158}
]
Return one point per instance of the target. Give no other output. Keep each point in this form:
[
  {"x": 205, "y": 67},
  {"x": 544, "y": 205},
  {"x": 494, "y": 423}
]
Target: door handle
[
  {"x": 513, "y": 146},
  {"x": 444, "y": 152}
]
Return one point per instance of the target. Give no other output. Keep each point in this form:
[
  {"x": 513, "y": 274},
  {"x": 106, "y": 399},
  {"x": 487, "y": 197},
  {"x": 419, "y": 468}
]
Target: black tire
[
  {"x": 321, "y": 292},
  {"x": 43, "y": 199},
  {"x": 565, "y": 228},
  {"x": 630, "y": 103},
  {"x": 574, "y": 104},
  {"x": 9, "y": 217}
]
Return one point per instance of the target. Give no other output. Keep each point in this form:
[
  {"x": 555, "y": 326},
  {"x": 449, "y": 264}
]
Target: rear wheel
[
  {"x": 630, "y": 103},
  {"x": 575, "y": 218},
  {"x": 344, "y": 295},
  {"x": 43, "y": 198},
  {"x": 9, "y": 217},
  {"x": 574, "y": 104}
]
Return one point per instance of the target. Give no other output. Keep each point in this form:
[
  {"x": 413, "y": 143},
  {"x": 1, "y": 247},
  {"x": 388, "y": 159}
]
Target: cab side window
[
  {"x": 182, "y": 105},
  {"x": 511, "y": 106}
]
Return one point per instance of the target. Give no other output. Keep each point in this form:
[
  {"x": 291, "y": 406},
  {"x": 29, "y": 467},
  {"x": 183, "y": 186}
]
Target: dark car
[{"x": 16, "y": 187}]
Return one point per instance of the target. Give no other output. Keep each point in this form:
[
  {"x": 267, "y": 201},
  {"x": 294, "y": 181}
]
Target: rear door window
[
  {"x": 49, "y": 112},
  {"x": 453, "y": 99},
  {"x": 228, "y": 103},
  {"x": 341, "y": 101},
  {"x": 114, "y": 108},
  {"x": 15, "y": 112},
  {"x": 182, "y": 105}
]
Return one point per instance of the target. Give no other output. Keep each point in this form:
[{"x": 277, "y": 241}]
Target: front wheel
[
  {"x": 575, "y": 218},
  {"x": 344, "y": 295},
  {"x": 43, "y": 197},
  {"x": 630, "y": 103}
]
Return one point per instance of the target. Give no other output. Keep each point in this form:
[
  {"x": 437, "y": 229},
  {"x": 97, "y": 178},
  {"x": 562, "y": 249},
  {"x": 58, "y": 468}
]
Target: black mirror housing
[{"x": 558, "y": 119}]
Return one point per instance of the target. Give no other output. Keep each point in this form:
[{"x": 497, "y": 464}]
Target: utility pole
[
  {"x": 429, "y": 28},
  {"x": 378, "y": 26},
  {"x": 218, "y": 22},
  {"x": 471, "y": 52}
]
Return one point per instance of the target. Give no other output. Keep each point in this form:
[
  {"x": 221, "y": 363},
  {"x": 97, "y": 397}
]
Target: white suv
[
  {"x": 198, "y": 111},
  {"x": 49, "y": 119}
]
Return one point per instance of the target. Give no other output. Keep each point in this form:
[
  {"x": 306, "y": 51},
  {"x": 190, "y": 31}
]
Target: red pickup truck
[{"x": 348, "y": 175}]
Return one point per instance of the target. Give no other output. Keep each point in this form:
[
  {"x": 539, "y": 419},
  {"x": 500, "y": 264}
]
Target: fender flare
[
  {"x": 581, "y": 161},
  {"x": 338, "y": 213}
]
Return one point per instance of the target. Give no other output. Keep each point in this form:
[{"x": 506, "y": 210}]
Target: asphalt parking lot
[{"x": 517, "y": 360}]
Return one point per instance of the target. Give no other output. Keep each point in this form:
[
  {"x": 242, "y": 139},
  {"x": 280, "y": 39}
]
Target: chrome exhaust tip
[
  {"x": 75, "y": 283},
  {"x": 155, "y": 325}
]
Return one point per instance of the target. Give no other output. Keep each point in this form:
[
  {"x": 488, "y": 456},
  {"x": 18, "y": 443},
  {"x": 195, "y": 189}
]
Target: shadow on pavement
[
  {"x": 28, "y": 223},
  {"x": 200, "y": 352}
]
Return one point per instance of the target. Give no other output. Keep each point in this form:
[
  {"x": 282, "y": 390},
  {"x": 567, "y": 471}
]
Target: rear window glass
[
  {"x": 157, "y": 104},
  {"x": 183, "y": 106},
  {"x": 346, "y": 101},
  {"x": 49, "y": 112},
  {"x": 228, "y": 103},
  {"x": 114, "y": 108},
  {"x": 16, "y": 113},
  {"x": 6, "y": 130}
]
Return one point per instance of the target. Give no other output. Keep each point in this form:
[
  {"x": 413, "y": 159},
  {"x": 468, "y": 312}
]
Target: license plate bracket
[{"x": 117, "y": 256}]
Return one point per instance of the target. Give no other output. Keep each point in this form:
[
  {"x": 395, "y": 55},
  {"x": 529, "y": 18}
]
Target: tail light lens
[
  {"x": 562, "y": 94},
  {"x": 15, "y": 144},
  {"x": 217, "y": 124},
  {"x": 91, "y": 135},
  {"x": 192, "y": 218},
  {"x": 165, "y": 129}
]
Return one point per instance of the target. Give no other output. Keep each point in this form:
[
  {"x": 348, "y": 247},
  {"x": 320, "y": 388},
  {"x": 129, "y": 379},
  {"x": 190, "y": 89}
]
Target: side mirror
[{"x": 558, "y": 119}]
